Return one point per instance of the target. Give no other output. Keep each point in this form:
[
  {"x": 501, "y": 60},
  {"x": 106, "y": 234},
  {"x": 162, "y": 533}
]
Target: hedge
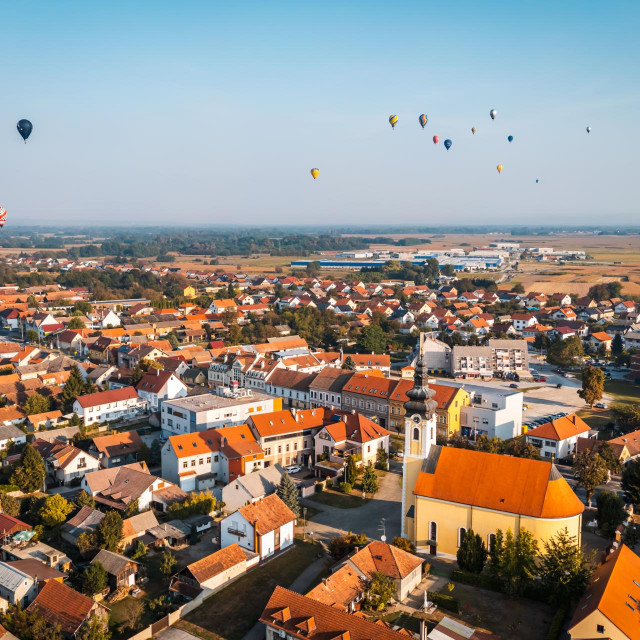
[
  {"x": 8, "y": 488},
  {"x": 445, "y": 601},
  {"x": 557, "y": 623}
]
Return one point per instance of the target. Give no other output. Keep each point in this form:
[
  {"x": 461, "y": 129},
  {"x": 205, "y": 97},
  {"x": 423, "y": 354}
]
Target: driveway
[{"x": 366, "y": 519}]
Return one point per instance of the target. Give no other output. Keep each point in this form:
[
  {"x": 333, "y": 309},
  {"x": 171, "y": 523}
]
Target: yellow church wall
[{"x": 451, "y": 516}]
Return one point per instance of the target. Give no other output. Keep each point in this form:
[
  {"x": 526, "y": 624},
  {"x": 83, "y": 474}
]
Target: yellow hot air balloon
[
  {"x": 393, "y": 121},
  {"x": 499, "y": 168},
  {"x": 314, "y": 173},
  {"x": 473, "y": 130}
]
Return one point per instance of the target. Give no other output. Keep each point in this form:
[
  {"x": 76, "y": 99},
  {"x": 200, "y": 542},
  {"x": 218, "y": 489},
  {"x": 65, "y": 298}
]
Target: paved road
[
  {"x": 366, "y": 519},
  {"x": 613, "y": 485}
]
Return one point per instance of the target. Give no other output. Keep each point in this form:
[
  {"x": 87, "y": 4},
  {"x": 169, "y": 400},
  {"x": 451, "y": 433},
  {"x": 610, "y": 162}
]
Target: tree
[
  {"x": 611, "y": 459},
  {"x": 340, "y": 546},
  {"x": 131, "y": 509},
  {"x": 372, "y": 339},
  {"x": 87, "y": 542},
  {"x": 382, "y": 459},
  {"x": 380, "y": 592},
  {"x": 404, "y": 543},
  {"x": 140, "y": 551},
  {"x": 627, "y": 416},
  {"x": 590, "y": 472},
  {"x": 592, "y": 385},
  {"x": 109, "y": 532},
  {"x": 518, "y": 287},
  {"x": 30, "y": 472},
  {"x": 10, "y": 505},
  {"x": 55, "y": 510},
  {"x": 541, "y": 342},
  {"x": 287, "y": 491},
  {"x": 496, "y": 553},
  {"x": 89, "y": 387},
  {"x": 94, "y": 579},
  {"x": 370, "y": 480},
  {"x": 472, "y": 553},
  {"x": 490, "y": 445},
  {"x": 73, "y": 387},
  {"x": 36, "y": 403},
  {"x": 564, "y": 352},
  {"x": 349, "y": 364},
  {"x": 85, "y": 499},
  {"x": 173, "y": 339},
  {"x": 564, "y": 569},
  {"x": 76, "y": 323},
  {"x": 32, "y": 335},
  {"x": 611, "y": 512},
  {"x": 167, "y": 563},
  {"x": 136, "y": 375},
  {"x": 202, "y": 503},
  {"x": 28, "y": 625},
  {"x": 144, "y": 453},
  {"x": 617, "y": 345},
  {"x": 458, "y": 441},
  {"x": 96, "y": 629},
  {"x": 351, "y": 470},
  {"x": 513, "y": 558},
  {"x": 631, "y": 480},
  {"x": 131, "y": 614}
]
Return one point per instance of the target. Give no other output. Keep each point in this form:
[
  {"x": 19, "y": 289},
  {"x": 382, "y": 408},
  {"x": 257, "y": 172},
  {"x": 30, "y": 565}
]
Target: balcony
[{"x": 237, "y": 532}]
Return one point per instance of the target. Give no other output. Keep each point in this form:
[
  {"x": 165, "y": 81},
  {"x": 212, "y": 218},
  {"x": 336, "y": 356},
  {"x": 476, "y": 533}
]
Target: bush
[
  {"x": 329, "y": 483},
  {"x": 557, "y": 623},
  {"x": 481, "y": 580},
  {"x": 445, "y": 601},
  {"x": 8, "y": 488},
  {"x": 319, "y": 487},
  {"x": 345, "y": 487}
]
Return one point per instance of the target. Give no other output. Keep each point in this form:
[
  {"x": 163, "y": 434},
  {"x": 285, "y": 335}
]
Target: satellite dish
[{"x": 383, "y": 538}]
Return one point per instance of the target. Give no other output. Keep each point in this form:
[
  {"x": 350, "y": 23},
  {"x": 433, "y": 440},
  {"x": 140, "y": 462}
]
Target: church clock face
[{"x": 416, "y": 418}]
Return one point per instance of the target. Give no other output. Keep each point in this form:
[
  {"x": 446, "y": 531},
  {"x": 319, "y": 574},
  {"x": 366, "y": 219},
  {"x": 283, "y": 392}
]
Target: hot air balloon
[
  {"x": 499, "y": 168},
  {"x": 393, "y": 121},
  {"x": 588, "y": 129},
  {"x": 493, "y": 113},
  {"x": 435, "y": 139},
  {"x": 24, "y": 129},
  {"x": 314, "y": 173},
  {"x": 510, "y": 138},
  {"x": 447, "y": 144},
  {"x": 473, "y": 130},
  {"x": 3, "y": 216},
  {"x": 423, "y": 120},
  {"x": 537, "y": 180}
]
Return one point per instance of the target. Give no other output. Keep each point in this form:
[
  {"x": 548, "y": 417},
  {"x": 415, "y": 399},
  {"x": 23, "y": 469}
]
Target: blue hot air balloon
[
  {"x": 24, "y": 129},
  {"x": 447, "y": 144},
  {"x": 537, "y": 180},
  {"x": 510, "y": 138}
]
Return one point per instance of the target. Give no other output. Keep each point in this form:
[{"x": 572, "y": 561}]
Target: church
[{"x": 447, "y": 491}]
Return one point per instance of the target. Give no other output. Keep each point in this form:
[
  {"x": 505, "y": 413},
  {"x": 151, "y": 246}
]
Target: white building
[
  {"x": 264, "y": 527},
  {"x": 10, "y": 434},
  {"x": 558, "y": 439},
  {"x": 157, "y": 386},
  {"x": 252, "y": 487},
  {"x": 224, "y": 408},
  {"x": 115, "y": 404},
  {"x": 16, "y": 587}
]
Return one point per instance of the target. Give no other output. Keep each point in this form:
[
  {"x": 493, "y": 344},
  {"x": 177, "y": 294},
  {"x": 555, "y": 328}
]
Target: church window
[
  {"x": 416, "y": 434},
  {"x": 433, "y": 531},
  {"x": 462, "y": 532}
]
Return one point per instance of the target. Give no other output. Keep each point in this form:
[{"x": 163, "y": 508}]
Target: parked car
[
  {"x": 559, "y": 385},
  {"x": 600, "y": 405},
  {"x": 569, "y": 375},
  {"x": 540, "y": 379},
  {"x": 293, "y": 468},
  {"x": 513, "y": 385}
]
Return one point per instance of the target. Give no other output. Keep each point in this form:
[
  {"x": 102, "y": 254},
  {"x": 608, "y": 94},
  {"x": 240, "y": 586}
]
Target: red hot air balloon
[
  {"x": 3, "y": 216},
  {"x": 435, "y": 139}
]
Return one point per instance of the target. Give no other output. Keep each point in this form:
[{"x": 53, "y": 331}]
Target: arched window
[
  {"x": 462, "y": 532},
  {"x": 433, "y": 531},
  {"x": 416, "y": 433},
  {"x": 491, "y": 541}
]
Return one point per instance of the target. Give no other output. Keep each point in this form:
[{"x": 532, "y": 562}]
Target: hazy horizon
[{"x": 213, "y": 113}]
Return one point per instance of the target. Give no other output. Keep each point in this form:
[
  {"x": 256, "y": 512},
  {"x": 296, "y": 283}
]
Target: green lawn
[
  {"x": 197, "y": 631},
  {"x": 231, "y": 612},
  {"x": 338, "y": 500},
  {"x": 621, "y": 392}
]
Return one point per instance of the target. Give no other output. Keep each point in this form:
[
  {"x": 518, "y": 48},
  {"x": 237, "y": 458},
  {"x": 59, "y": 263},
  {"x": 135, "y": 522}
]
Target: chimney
[
  {"x": 294, "y": 413},
  {"x": 344, "y": 418}
]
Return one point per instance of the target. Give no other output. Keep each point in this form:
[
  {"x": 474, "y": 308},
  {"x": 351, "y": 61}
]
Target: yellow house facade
[{"x": 189, "y": 292}]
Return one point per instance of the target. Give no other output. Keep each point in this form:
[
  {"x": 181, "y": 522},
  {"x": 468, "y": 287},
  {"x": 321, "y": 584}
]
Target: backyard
[
  {"x": 621, "y": 392},
  {"x": 232, "y": 612}
]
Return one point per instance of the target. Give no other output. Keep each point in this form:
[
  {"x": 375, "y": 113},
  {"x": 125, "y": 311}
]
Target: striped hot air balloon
[
  {"x": 393, "y": 121},
  {"x": 3, "y": 216},
  {"x": 423, "y": 120}
]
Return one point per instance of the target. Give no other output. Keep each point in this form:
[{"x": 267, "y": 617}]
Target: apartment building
[
  {"x": 326, "y": 388},
  {"x": 491, "y": 412},
  {"x": 369, "y": 394},
  {"x": 224, "y": 408},
  {"x": 498, "y": 358},
  {"x": 105, "y": 406}
]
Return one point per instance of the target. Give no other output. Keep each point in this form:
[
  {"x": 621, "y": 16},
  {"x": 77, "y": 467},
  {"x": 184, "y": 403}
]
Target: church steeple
[{"x": 421, "y": 400}]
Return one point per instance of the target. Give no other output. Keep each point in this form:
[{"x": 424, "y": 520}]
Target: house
[
  {"x": 369, "y": 392},
  {"x": 103, "y": 319},
  {"x": 100, "y": 375},
  {"x": 118, "y": 487},
  {"x": 251, "y": 487},
  {"x": 64, "y": 462},
  {"x": 626, "y": 447},
  {"x": 291, "y": 615},
  {"x": 10, "y": 434},
  {"x": 157, "y": 386},
  {"x": 450, "y": 629},
  {"x": 562, "y": 332},
  {"x": 106, "y": 406},
  {"x": 557, "y": 439},
  {"x": 60, "y": 605},
  {"x": 291, "y": 386},
  {"x": 86, "y": 520},
  {"x": 197, "y": 461},
  {"x": 137, "y": 527},
  {"x": 523, "y": 320},
  {"x": 117, "y": 449},
  {"x": 609, "y": 607},
  {"x": 404, "y": 568},
  {"x": 625, "y": 306},
  {"x": 345, "y": 434},
  {"x": 47, "y": 420},
  {"x": 220, "y": 306},
  {"x": 264, "y": 527},
  {"x": 39, "y": 551},
  {"x": 447, "y": 491},
  {"x": 364, "y": 362},
  {"x": 16, "y": 587},
  {"x": 120, "y": 569},
  {"x": 9, "y": 526},
  {"x": 325, "y": 390},
  {"x": 70, "y": 341},
  {"x": 195, "y": 377},
  {"x": 173, "y": 534},
  {"x": 600, "y": 340},
  {"x": 213, "y": 571}
]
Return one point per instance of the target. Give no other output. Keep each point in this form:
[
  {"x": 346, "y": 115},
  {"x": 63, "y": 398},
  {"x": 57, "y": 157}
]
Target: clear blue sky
[{"x": 214, "y": 112}]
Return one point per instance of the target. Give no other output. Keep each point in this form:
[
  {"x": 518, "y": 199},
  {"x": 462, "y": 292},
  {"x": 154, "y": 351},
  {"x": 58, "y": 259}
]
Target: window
[
  {"x": 208, "y": 459},
  {"x": 185, "y": 464},
  {"x": 491, "y": 541},
  {"x": 433, "y": 531},
  {"x": 600, "y": 628},
  {"x": 279, "y": 448},
  {"x": 462, "y": 532},
  {"x": 193, "y": 463},
  {"x": 416, "y": 433}
]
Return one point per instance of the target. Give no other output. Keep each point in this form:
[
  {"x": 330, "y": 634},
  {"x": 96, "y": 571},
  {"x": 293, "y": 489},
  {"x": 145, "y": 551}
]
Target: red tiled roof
[
  {"x": 105, "y": 397},
  {"x": 561, "y": 428},
  {"x": 267, "y": 514}
]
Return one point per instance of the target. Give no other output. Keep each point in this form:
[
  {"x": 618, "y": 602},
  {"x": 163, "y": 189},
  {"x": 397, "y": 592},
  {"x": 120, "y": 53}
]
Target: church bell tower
[{"x": 419, "y": 437}]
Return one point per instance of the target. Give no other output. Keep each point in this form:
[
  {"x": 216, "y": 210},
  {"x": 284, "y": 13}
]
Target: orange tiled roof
[
  {"x": 105, "y": 397},
  {"x": 215, "y": 563},
  {"x": 340, "y": 589},
  {"x": 527, "y": 487},
  {"x": 560, "y": 429},
  {"x": 281, "y": 422},
  {"x": 602, "y": 336},
  {"x": 387, "y": 559},
  {"x": 615, "y": 592},
  {"x": 200, "y": 442},
  {"x": 267, "y": 514}
]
